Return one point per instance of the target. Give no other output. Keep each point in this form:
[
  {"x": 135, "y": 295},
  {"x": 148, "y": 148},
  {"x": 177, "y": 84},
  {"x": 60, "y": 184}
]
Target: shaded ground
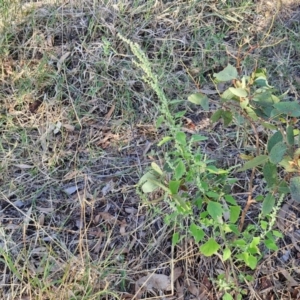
[{"x": 77, "y": 133}]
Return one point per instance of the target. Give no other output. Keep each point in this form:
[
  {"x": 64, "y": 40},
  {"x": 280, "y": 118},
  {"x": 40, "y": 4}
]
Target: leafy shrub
[{"x": 197, "y": 189}]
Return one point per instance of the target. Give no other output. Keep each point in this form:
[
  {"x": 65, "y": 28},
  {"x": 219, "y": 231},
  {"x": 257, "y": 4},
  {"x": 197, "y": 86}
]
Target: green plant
[
  {"x": 196, "y": 188},
  {"x": 257, "y": 105}
]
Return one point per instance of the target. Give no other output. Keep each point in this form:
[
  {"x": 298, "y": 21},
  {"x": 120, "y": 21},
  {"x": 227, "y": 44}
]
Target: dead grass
[{"x": 77, "y": 132}]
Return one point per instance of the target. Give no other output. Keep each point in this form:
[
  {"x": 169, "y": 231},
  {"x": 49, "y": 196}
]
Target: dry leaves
[{"x": 156, "y": 282}]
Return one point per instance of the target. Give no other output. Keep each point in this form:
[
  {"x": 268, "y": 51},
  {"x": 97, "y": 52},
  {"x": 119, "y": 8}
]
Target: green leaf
[
  {"x": 179, "y": 114},
  {"x": 270, "y": 244},
  {"x": 164, "y": 140},
  {"x": 256, "y": 161},
  {"x": 199, "y": 99},
  {"x": 180, "y": 138},
  {"x": 159, "y": 121},
  {"x": 198, "y": 138},
  {"x": 179, "y": 170},
  {"x": 230, "y": 199},
  {"x": 288, "y": 108},
  {"x": 251, "y": 262},
  {"x": 215, "y": 210},
  {"x": 216, "y": 115},
  {"x": 270, "y": 173},
  {"x": 269, "y": 126},
  {"x": 277, "y": 234},
  {"x": 244, "y": 102},
  {"x": 227, "y": 95},
  {"x": 212, "y": 194},
  {"x": 227, "y": 117},
  {"x": 238, "y": 92},
  {"x": 268, "y": 204},
  {"x": 196, "y": 232},
  {"x": 274, "y": 139},
  {"x": 277, "y": 153},
  {"x": 229, "y": 73},
  {"x": 148, "y": 182},
  {"x": 175, "y": 238},
  {"x": 283, "y": 188},
  {"x": 234, "y": 213},
  {"x": 174, "y": 186},
  {"x": 290, "y": 135},
  {"x": 227, "y": 296},
  {"x": 286, "y": 164},
  {"x": 295, "y": 188},
  {"x": 251, "y": 113},
  {"x": 210, "y": 247},
  {"x": 253, "y": 249},
  {"x": 156, "y": 168},
  {"x": 261, "y": 82},
  {"x": 226, "y": 254}
]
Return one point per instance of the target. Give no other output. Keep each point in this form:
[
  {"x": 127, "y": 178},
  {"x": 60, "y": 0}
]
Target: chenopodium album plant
[{"x": 195, "y": 188}]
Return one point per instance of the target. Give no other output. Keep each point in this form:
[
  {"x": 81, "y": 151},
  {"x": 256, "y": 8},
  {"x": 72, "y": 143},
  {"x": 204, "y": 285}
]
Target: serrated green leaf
[
  {"x": 268, "y": 204},
  {"x": 258, "y": 160},
  {"x": 181, "y": 138},
  {"x": 226, "y": 254},
  {"x": 199, "y": 99},
  {"x": 274, "y": 139},
  {"x": 277, "y": 153},
  {"x": 174, "y": 186},
  {"x": 216, "y": 115},
  {"x": 238, "y": 92},
  {"x": 215, "y": 210},
  {"x": 290, "y": 135},
  {"x": 210, "y": 247},
  {"x": 197, "y": 232},
  {"x": 289, "y": 108},
  {"x": 148, "y": 182},
  {"x": 270, "y": 173},
  {"x": 295, "y": 188},
  {"x": 179, "y": 170},
  {"x": 229, "y": 73},
  {"x": 234, "y": 213}
]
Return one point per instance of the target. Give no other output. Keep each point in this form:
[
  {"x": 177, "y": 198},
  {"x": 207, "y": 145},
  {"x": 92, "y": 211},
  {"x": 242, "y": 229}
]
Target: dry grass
[{"x": 77, "y": 132}]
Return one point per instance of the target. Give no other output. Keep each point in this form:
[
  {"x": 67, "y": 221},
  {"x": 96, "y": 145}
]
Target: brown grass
[{"x": 77, "y": 132}]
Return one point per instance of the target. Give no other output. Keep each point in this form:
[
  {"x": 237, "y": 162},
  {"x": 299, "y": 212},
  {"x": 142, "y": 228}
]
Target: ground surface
[{"x": 78, "y": 131}]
